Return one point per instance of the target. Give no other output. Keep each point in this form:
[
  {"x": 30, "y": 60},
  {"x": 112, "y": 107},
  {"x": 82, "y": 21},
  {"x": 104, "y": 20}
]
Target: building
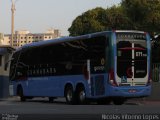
[
  {"x": 25, "y": 37},
  {"x": 5, "y": 57},
  {"x": 2, "y": 39}
]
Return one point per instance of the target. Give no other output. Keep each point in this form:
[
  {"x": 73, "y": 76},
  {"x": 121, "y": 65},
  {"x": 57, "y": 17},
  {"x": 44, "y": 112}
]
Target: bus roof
[
  {"x": 67, "y": 39},
  {"x": 130, "y": 31},
  {"x": 60, "y": 40}
]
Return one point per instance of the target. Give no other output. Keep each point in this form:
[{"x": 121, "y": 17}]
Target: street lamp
[{"x": 12, "y": 21}]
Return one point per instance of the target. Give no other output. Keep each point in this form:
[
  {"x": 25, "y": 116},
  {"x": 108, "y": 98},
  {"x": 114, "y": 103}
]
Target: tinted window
[
  {"x": 68, "y": 58},
  {"x": 131, "y": 56}
]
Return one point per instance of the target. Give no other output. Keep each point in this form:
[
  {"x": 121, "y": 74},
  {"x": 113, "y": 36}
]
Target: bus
[{"x": 108, "y": 66}]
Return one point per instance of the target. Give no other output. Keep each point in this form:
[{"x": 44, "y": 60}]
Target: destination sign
[{"x": 139, "y": 36}]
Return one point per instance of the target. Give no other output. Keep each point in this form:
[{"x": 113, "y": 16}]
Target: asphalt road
[{"x": 43, "y": 110}]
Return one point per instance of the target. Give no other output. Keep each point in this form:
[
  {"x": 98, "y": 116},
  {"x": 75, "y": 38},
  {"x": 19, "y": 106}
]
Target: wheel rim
[
  {"x": 69, "y": 95},
  {"x": 82, "y": 96}
]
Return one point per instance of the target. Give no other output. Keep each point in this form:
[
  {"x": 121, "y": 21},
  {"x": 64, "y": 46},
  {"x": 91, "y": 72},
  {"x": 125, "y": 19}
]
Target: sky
[{"x": 38, "y": 16}]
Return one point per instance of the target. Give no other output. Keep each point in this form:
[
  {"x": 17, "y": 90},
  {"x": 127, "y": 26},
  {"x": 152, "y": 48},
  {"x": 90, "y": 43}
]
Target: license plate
[{"x": 132, "y": 91}]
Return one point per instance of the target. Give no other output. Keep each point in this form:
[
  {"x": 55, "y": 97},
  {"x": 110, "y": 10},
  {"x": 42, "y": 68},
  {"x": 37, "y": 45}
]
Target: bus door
[
  {"x": 96, "y": 79},
  {"x": 131, "y": 63}
]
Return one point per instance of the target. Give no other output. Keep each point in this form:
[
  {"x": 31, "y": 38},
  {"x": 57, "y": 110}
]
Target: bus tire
[
  {"x": 118, "y": 101},
  {"x": 51, "y": 99},
  {"x": 21, "y": 95},
  {"x": 69, "y": 94},
  {"x": 81, "y": 95},
  {"x": 104, "y": 101}
]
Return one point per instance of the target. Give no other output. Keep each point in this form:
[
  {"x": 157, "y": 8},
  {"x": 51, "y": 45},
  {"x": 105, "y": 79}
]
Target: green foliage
[
  {"x": 144, "y": 14},
  {"x": 88, "y": 22},
  {"x": 130, "y": 14},
  {"x": 116, "y": 19},
  {"x": 99, "y": 19}
]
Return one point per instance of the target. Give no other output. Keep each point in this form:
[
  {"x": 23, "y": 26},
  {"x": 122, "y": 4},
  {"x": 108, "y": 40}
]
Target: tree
[
  {"x": 144, "y": 14},
  {"x": 88, "y": 22},
  {"x": 130, "y": 14},
  {"x": 117, "y": 19},
  {"x": 99, "y": 19}
]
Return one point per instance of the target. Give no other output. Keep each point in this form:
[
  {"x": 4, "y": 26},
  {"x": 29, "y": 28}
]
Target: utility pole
[{"x": 12, "y": 22}]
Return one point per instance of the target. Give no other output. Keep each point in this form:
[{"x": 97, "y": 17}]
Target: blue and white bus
[{"x": 109, "y": 66}]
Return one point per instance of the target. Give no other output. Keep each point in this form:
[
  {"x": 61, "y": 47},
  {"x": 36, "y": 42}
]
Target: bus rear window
[{"x": 131, "y": 56}]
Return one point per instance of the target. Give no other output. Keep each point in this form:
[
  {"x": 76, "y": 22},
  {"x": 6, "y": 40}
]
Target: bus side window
[
  {"x": 50, "y": 70},
  {"x": 21, "y": 71},
  {"x": 35, "y": 69},
  {"x": 6, "y": 57},
  {"x": 39, "y": 70},
  {"x": 44, "y": 70},
  {"x": 107, "y": 54},
  {"x": 0, "y": 60},
  {"x": 32, "y": 70},
  {"x": 29, "y": 71}
]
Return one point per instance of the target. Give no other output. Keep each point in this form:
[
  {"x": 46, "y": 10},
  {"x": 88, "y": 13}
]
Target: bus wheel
[
  {"x": 104, "y": 101},
  {"x": 20, "y": 93},
  {"x": 51, "y": 99},
  {"x": 81, "y": 95},
  {"x": 69, "y": 95},
  {"x": 118, "y": 101}
]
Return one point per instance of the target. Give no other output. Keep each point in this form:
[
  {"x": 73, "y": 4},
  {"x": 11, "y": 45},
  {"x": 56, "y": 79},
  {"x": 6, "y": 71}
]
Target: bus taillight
[{"x": 112, "y": 78}]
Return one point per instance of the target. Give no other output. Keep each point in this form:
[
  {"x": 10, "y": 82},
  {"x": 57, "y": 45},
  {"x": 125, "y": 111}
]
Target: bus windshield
[{"x": 131, "y": 55}]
